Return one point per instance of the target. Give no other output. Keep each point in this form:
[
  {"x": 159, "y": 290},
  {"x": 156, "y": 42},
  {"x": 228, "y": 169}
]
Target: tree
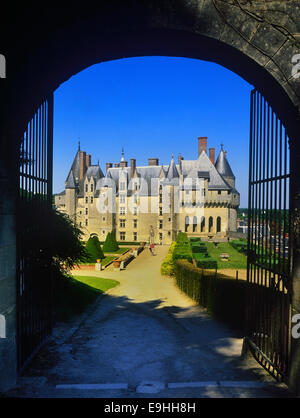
[
  {"x": 110, "y": 244},
  {"x": 94, "y": 250}
]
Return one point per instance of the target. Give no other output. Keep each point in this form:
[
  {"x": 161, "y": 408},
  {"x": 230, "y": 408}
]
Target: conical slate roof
[
  {"x": 223, "y": 166},
  {"x": 70, "y": 182},
  {"x": 75, "y": 168},
  {"x": 172, "y": 170}
]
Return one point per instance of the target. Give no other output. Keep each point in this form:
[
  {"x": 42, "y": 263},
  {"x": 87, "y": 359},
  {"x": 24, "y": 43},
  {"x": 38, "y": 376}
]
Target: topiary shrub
[
  {"x": 195, "y": 239},
  {"x": 93, "y": 250},
  {"x": 110, "y": 244}
]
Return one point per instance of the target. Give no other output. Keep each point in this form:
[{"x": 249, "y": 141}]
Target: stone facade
[{"x": 152, "y": 203}]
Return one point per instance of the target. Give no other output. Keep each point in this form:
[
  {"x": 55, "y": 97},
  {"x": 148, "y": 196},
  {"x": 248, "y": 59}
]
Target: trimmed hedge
[
  {"x": 240, "y": 246},
  {"x": 195, "y": 239},
  {"x": 110, "y": 244},
  {"x": 167, "y": 267},
  {"x": 182, "y": 249},
  {"x": 224, "y": 298},
  {"x": 93, "y": 250}
]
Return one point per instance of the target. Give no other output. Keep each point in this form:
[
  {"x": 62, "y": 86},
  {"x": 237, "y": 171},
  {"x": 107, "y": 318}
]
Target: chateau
[{"x": 152, "y": 203}]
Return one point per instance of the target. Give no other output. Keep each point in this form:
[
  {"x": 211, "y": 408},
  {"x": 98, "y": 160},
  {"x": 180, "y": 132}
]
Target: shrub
[
  {"x": 110, "y": 244},
  {"x": 167, "y": 267},
  {"x": 199, "y": 249},
  {"x": 93, "y": 249},
  {"x": 240, "y": 246},
  {"x": 207, "y": 263},
  {"x": 195, "y": 239}
]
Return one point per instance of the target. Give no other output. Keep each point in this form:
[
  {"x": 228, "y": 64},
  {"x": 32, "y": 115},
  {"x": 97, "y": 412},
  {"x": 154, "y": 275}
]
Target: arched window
[
  {"x": 210, "y": 224},
  {"x": 202, "y": 224},
  {"x": 187, "y": 222},
  {"x": 218, "y": 224},
  {"x": 194, "y": 223}
]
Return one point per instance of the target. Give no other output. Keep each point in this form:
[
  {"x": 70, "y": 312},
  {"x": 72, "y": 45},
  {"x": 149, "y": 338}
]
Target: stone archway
[{"x": 46, "y": 46}]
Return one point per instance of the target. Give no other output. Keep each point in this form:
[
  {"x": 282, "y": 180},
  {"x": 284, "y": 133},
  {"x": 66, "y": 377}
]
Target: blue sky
[{"x": 153, "y": 107}]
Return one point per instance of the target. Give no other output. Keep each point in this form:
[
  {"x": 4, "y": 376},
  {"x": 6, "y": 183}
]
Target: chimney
[
  {"x": 88, "y": 160},
  {"x": 202, "y": 144},
  {"x": 123, "y": 163},
  {"x": 108, "y": 165},
  {"x": 82, "y": 166},
  {"x": 212, "y": 155},
  {"x": 152, "y": 161},
  {"x": 132, "y": 167}
]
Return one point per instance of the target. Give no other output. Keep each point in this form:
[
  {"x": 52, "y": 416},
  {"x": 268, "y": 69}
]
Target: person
[{"x": 152, "y": 248}]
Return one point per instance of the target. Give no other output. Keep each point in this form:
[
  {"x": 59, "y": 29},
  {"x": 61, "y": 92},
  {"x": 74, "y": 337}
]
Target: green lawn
[
  {"x": 73, "y": 295},
  {"x": 120, "y": 251},
  {"x": 236, "y": 259}
]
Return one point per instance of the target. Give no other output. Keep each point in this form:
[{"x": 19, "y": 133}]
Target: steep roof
[
  {"x": 75, "y": 168},
  {"x": 222, "y": 165},
  {"x": 70, "y": 182},
  {"x": 204, "y": 168},
  {"x": 172, "y": 172}
]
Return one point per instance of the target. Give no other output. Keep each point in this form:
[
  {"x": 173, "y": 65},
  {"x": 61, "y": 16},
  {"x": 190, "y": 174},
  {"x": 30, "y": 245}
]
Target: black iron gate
[
  {"x": 34, "y": 234},
  {"x": 268, "y": 306}
]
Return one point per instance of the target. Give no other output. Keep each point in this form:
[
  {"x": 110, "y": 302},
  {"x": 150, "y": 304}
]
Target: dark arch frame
[{"x": 144, "y": 42}]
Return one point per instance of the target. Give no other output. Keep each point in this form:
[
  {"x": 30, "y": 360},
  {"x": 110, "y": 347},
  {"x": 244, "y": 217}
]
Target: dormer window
[
  {"x": 122, "y": 185},
  {"x": 86, "y": 188},
  {"x": 92, "y": 187}
]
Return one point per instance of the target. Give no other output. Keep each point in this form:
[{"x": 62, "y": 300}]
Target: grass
[
  {"x": 73, "y": 294},
  {"x": 236, "y": 260},
  {"x": 119, "y": 251}
]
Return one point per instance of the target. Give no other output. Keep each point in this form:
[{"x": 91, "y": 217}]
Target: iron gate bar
[
  {"x": 268, "y": 266},
  {"x": 34, "y": 284}
]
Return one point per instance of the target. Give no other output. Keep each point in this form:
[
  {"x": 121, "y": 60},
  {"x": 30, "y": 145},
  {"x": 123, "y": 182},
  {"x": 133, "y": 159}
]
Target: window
[
  {"x": 210, "y": 224},
  {"x": 169, "y": 233},
  {"x": 103, "y": 219},
  {"x": 92, "y": 187},
  {"x": 160, "y": 236},
  {"x": 122, "y": 236},
  {"x": 135, "y": 198},
  {"x": 122, "y": 223},
  {"x": 86, "y": 222},
  {"x": 92, "y": 199},
  {"x": 160, "y": 198},
  {"x": 86, "y": 211},
  {"x": 122, "y": 198},
  {"x": 169, "y": 219},
  {"x": 187, "y": 222},
  {"x": 135, "y": 223},
  {"x": 86, "y": 188},
  {"x": 86, "y": 200},
  {"x": 135, "y": 236},
  {"x": 203, "y": 192},
  {"x": 202, "y": 224},
  {"x": 80, "y": 223},
  {"x": 135, "y": 211},
  {"x": 160, "y": 212},
  {"x": 194, "y": 223},
  {"x": 80, "y": 212},
  {"x": 160, "y": 224},
  {"x": 122, "y": 185},
  {"x": 219, "y": 191},
  {"x": 122, "y": 210},
  {"x": 218, "y": 224}
]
